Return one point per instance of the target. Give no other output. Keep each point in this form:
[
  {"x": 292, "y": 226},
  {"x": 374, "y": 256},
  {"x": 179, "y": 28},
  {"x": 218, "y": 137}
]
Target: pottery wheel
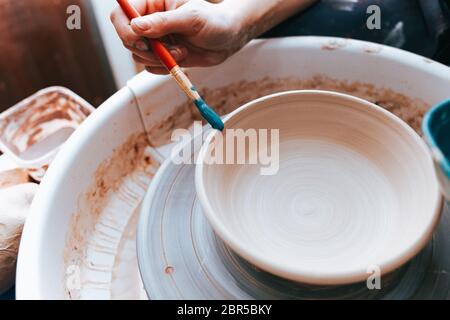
[{"x": 181, "y": 258}]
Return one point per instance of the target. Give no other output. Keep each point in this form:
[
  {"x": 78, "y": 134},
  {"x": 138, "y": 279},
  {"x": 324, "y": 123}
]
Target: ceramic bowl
[{"x": 355, "y": 189}]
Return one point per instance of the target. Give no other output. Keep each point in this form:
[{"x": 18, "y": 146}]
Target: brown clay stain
[
  {"x": 108, "y": 177},
  {"x": 169, "y": 270},
  {"x": 333, "y": 45},
  {"x": 226, "y": 99},
  {"x": 26, "y": 126}
]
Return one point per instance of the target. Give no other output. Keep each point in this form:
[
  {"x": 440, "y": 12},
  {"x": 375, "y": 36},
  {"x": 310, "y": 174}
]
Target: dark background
[
  {"x": 37, "y": 51},
  {"x": 424, "y": 25}
]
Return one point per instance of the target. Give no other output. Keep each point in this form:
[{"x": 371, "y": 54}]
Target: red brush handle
[{"x": 158, "y": 48}]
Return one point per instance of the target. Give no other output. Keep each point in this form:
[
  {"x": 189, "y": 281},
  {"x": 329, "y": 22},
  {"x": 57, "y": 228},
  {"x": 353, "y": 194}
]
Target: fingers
[
  {"x": 183, "y": 56},
  {"x": 122, "y": 23},
  {"x": 192, "y": 60},
  {"x": 189, "y": 59},
  {"x": 145, "y": 57},
  {"x": 139, "y": 59},
  {"x": 163, "y": 5},
  {"x": 173, "y": 4},
  {"x": 160, "y": 19},
  {"x": 155, "y": 6},
  {"x": 203, "y": 58},
  {"x": 157, "y": 70},
  {"x": 148, "y": 58},
  {"x": 184, "y": 20}
]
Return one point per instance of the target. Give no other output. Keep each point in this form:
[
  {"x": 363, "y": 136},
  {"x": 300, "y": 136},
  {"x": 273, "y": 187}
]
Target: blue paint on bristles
[{"x": 209, "y": 115}]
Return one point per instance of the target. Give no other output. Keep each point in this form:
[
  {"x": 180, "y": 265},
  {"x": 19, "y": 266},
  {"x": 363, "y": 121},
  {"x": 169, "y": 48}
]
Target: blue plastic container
[{"x": 436, "y": 127}]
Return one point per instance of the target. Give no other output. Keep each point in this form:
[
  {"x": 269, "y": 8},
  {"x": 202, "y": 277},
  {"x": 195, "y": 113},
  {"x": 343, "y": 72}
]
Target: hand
[
  {"x": 202, "y": 33},
  {"x": 197, "y": 32}
]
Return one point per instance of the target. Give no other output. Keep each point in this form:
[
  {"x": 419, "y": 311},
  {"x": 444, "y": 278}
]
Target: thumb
[{"x": 159, "y": 24}]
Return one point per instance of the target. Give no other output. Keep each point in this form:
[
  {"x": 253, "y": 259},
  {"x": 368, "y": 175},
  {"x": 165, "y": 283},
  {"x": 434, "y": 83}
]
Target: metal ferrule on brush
[{"x": 184, "y": 83}]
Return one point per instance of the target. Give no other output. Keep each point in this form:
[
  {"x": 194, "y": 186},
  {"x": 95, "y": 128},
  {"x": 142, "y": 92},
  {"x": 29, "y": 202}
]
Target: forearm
[{"x": 255, "y": 17}]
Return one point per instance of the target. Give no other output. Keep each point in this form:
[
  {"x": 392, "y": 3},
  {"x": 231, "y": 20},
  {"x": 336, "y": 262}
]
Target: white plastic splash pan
[{"x": 79, "y": 241}]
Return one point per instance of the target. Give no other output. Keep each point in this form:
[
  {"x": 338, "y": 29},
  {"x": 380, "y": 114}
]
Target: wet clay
[
  {"x": 224, "y": 100},
  {"x": 105, "y": 210},
  {"x": 37, "y": 119},
  {"x": 13, "y": 177}
]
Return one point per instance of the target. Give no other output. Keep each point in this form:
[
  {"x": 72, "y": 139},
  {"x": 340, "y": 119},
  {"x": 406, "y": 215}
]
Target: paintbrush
[{"x": 177, "y": 73}]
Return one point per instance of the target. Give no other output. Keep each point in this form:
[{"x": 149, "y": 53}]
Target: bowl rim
[{"x": 305, "y": 275}]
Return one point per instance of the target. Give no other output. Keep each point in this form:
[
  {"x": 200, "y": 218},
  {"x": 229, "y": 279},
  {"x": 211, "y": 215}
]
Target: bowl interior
[{"x": 355, "y": 187}]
